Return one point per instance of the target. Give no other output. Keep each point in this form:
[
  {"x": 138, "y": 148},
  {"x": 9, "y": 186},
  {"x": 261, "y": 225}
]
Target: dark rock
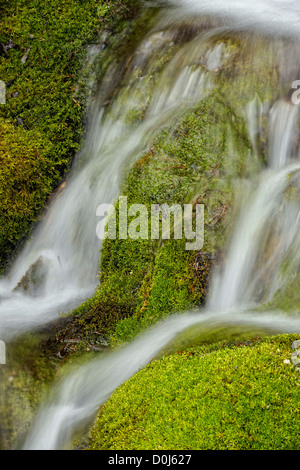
[{"x": 34, "y": 279}]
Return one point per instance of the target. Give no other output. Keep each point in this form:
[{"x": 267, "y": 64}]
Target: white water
[
  {"x": 271, "y": 16},
  {"x": 67, "y": 234},
  {"x": 264, "y": 211},
  {"x": 283, "y": 132}
]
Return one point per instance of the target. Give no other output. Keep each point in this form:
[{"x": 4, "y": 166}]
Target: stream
[{"x": 65, "y": 241}]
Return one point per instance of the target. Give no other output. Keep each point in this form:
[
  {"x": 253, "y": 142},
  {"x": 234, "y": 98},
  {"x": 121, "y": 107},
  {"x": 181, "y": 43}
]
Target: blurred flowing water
[{"x": 65, "y": 241}]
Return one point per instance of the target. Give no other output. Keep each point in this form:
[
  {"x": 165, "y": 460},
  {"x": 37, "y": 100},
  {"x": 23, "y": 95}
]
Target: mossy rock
[
  {"x": 33, "y": 281},
  {"x": 199, "y": 158},
  {"x": 48, "y": 88},
  {"x": 234, "y": 396},
  {"x": 145, "y": 280}
]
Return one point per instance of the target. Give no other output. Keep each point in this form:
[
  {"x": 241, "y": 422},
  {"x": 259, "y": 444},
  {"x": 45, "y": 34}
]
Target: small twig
[
  {"x": 123, "y": 6},
  {"x": 75, "y": 101},
  {"x": 222, "y": 212},
  {"x": 143, "y": 308},
  {"x": 38, "y": 119},
  {"x": 36, "y": 152}
]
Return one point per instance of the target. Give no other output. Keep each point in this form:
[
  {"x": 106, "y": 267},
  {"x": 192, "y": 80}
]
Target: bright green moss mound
[{"x": 241, "y": 396}]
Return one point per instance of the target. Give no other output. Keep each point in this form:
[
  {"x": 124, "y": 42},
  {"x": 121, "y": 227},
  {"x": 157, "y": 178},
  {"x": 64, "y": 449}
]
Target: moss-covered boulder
[{"x": 235, "y": 396}]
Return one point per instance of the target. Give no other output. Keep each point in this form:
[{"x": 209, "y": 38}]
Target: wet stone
[{"x": 295, "y": 360}]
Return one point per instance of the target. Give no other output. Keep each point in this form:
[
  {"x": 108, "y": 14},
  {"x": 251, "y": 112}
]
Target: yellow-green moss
[{"x": 240, "y": 396}]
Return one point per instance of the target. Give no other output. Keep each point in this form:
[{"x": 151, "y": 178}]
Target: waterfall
[
  {"x": 67, "y": 240},
  {"x": 238, "y": 284}
]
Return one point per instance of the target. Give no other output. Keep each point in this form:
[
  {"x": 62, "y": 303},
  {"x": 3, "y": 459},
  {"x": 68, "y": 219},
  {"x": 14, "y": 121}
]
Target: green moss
[
  {"x": 143, "y": 280},
  {"x": 48, "y": 77},
  {"x": 198, "y": 160},
  {"x": 47, "y": 89},
  {"x": 26, "y": 178},
  {"x": 231, "y": 397}
]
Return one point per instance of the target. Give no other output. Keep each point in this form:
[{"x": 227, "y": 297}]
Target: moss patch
[{"x": 143, "y": 280}]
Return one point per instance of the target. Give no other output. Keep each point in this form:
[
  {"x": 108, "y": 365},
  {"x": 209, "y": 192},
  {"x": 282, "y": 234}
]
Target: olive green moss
[
  {"x": 25, "y": 180},
  {"x": 28, "y": 372},
  {"x": 43, "y": 51},
  {"x": 143, "y": 280},
  {"x": 146, "y": 279},
  {"x": 239, "y": 396},
  {"x": 192, "y": 161}
]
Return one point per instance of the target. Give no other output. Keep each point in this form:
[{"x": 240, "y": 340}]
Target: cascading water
[
  {"x": 67, "y": 238},
  {"x": 266, "y": 212}
]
